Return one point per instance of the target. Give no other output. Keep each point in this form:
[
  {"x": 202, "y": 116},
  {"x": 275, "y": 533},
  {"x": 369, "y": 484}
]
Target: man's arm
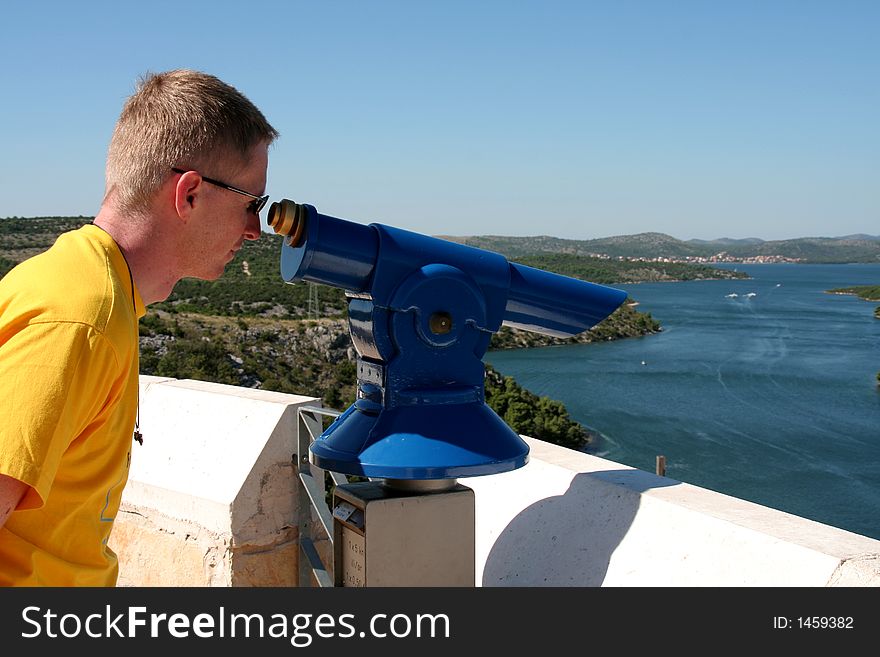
[{"x": 11, "y": 492}]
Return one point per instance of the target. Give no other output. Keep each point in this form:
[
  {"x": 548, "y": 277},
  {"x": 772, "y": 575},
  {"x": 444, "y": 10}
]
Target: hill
[{"x": 854, "y": 248}]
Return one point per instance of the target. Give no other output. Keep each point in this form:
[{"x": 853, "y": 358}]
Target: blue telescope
[{"x": 421, "y": 313}]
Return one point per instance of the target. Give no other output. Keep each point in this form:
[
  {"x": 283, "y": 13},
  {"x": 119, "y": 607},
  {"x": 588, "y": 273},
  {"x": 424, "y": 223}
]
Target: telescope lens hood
[{"x": 288, "y": 218}]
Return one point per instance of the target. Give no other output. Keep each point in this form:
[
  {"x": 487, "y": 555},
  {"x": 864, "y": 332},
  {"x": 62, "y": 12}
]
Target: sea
[{"x": 762, "y": 388}]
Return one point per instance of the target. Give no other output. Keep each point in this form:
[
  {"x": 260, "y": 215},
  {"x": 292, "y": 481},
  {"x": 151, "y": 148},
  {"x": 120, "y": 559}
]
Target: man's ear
[{"x": 187, "y": 194}]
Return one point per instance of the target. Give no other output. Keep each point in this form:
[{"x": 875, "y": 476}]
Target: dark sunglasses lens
[{"x": 256, "y": 205}]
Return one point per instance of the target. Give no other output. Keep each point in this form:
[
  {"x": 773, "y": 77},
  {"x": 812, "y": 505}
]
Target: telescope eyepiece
[{"x": 289, "y": 219}]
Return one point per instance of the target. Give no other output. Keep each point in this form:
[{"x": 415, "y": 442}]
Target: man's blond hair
[{"x": 179, "y": 118}]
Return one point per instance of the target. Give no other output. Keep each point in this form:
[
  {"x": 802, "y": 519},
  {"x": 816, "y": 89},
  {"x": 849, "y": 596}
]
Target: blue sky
[{"x": 573, "y": 119}]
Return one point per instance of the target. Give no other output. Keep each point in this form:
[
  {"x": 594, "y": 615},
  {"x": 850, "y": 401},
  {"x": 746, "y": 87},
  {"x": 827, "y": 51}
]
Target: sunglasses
[{"x": 255, "y": 206}]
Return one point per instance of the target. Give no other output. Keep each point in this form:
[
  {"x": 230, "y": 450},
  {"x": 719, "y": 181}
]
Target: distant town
[
  {"x": 659, "y": 248},
  {"x": 722, "y": 257}
]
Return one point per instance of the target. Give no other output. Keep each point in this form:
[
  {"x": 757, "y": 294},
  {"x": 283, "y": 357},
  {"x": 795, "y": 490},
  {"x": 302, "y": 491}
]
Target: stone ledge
[{"x": 572, "y": 519}]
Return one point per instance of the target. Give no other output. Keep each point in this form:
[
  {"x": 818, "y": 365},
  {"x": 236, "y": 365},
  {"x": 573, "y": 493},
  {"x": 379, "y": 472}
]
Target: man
[{"x": 185, "y": 178}]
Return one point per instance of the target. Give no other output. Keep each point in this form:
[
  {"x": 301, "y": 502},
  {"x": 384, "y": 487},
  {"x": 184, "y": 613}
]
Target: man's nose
[{"x": 252, "y": 229}]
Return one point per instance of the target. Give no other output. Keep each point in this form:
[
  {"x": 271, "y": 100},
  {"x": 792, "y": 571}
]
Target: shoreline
[
  {"x": 594, "y": 437},
  {"x": 853, "y": 294}
]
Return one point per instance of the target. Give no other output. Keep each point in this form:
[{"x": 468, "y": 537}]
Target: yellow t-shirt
[{"x": 68, "y": 399}]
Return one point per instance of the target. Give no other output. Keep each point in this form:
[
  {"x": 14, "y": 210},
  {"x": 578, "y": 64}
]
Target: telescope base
[{"x": 443, "y": 441}]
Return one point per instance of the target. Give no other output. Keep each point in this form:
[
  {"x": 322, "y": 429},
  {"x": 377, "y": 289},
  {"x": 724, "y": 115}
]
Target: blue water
[{"x": 771, "y": 398}]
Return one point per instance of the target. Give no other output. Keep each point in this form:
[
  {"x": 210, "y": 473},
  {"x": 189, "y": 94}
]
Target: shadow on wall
[{"x": 568, "y": 540}]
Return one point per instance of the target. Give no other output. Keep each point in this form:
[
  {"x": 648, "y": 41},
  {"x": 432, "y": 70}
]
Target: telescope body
[{"x": 421, "y": 313}]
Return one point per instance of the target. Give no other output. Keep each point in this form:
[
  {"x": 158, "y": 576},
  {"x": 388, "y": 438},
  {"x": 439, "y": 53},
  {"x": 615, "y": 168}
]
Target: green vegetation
[
  {"x": 866, "y": 292},
  {"x": 292, "y": 356},
  {"x": 610, "y": 272},
  {"x": 5, "y": 265},
  {"x": 252, "y": 286},
  {"x": 530, "y": 415},
  {"x": 625, "y": 322}
]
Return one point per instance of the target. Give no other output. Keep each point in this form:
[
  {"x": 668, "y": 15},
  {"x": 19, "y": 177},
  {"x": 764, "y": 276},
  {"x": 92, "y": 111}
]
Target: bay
[{"x": 770, "y": 395}]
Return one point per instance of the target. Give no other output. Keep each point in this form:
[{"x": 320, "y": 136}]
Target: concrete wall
[
  {"x": 212, "y": 497},
  {"x": 213, "y": 493}
]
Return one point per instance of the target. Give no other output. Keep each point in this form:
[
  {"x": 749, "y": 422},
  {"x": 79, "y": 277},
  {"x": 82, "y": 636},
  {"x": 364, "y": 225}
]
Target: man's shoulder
[
  {"x": 71, "y": 250},
  {"x": 70, "y": 281}
]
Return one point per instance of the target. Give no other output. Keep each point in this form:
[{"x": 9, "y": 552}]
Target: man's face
[{"x": 228, "y": 218}]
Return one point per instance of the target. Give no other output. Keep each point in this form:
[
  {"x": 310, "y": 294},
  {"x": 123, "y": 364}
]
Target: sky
[{"x": 580, "y": 120}]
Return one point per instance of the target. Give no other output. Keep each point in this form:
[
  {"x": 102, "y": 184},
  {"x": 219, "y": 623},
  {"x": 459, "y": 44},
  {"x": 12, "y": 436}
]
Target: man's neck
[{"x": 144, "y": 247}]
